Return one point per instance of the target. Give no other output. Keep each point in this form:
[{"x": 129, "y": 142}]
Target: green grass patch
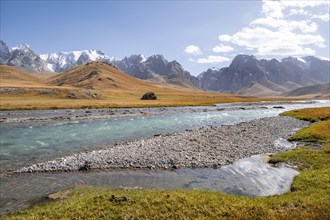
[
  {"x": 318, "y": 132},
  {"x": 310, "y": 114},
  {"x": 305, "y": 158},
  {"x": 314, "y": 165}
]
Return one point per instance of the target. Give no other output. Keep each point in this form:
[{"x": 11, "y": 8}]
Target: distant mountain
[
  {"x": 157, "y": 68},
  {"x": 314, "y": 67},
  {"x": 250, "y": 76},
  {"x": 314, "y": 91},
  {"x": 135, "y": 66},
  {"x": 5, "y": 52},
  {"x": 61, "y": 61},
  {"x": 246, "y": 74},
  {"x": 22, "y": 57},
  {"x": 208, "y": 79}
]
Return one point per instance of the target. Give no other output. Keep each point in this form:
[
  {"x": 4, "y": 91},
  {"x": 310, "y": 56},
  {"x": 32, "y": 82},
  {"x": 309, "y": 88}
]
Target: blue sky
[{"x": 198, "y": 34}]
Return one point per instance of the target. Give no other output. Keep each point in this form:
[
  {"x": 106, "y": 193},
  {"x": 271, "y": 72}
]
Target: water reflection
[{"x": 250, "y": 176}]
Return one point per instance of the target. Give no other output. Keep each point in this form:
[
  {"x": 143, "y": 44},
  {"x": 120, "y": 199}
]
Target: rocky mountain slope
[
  {"x": 157, "y": 68},
  {"x": 313, "y": 67},
  {"x": 22, "y": 57},
  {"x": 314, "y": 91},
  {"x": 250, "y": 76}
]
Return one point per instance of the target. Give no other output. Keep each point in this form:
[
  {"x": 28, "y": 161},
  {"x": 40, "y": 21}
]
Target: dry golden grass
[
  {"x": 113, "y": 88},
  {"x": 118, "y": 100},
  {"x": 12, "y": 77},
  {"x": 42, "y": 76}
]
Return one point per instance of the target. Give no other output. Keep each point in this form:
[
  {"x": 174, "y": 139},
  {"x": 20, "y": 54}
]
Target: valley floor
[
  {"x": 31, "y": 101},
  {"x": 309, "y": 197}
]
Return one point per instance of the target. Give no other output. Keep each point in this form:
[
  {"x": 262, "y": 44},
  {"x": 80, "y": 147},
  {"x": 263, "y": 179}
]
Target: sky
[{"x": 197, "y": 34}]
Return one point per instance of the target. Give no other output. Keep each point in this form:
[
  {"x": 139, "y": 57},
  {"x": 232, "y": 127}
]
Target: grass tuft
[{"x": 319, "y": 132}]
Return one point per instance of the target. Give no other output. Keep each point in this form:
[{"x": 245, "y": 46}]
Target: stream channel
[{"x": 38, "y": 136}]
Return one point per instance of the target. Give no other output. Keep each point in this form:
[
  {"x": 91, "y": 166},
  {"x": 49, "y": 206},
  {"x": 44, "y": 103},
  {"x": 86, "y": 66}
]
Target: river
[{"x": 53, "y": 136}]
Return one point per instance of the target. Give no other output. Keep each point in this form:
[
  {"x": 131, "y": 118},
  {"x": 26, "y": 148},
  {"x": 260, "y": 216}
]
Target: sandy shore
[{"x": 205, "y": 147}]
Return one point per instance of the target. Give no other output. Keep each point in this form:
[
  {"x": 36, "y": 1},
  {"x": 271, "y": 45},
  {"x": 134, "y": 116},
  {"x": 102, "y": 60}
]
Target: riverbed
[
  {"x": 38, "y": 137},
  {"x": 28, "y": 137}
]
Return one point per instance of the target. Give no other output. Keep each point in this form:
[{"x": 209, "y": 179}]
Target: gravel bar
[{"x": 205, "y": 147}]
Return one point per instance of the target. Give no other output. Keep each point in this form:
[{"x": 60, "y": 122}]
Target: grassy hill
[
  {"x": 99, "y": 76},
  {"x": 12, "y": 77},
  {"x": 96, "y": 85}
]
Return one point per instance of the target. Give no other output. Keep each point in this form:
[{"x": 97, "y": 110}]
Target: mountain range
[
  {"x": 249, "y": 76},
  {"x": 22, "y": 57},
  {"x": 245, "y": 75},
  {"x": 157, "y": 68},
  {"x": 61, "y": 61},
  {"x": 154, "y": 68}
]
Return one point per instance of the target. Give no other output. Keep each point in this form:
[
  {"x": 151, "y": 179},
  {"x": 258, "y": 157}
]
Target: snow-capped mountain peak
[
  {"x": 142, "y": 58},
  {"x": 22, "y": 57},
  {"x": 61, "y": 61},
  {"x": 215, "y": 69},
  {"x": 23, "y": 47}
]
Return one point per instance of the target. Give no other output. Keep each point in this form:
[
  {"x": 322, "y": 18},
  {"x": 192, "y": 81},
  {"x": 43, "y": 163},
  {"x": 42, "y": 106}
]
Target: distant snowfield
[{"x": 62, "y": 60}]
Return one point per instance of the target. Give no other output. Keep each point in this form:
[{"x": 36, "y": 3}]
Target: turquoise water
[{"x": 26, "y": 143}]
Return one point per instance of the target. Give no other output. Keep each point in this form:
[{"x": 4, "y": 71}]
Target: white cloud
[
  {"x": 273, "y": 8},
  {"x": 303, "y": 26},
  {"x": 304, "y": 8},
  {"x": 286, "y": 51},
  {"x": 224, "y": 37},
  {"x": 304, "y": 4},
  {"x": 193, "y": 49},
  {"x": 322, "y": 17},
  {"x": 295, "y": 11},
  {"x": 212, "y": 59},
  {"x": 280, "y": 31},
  {"x": 268, "y": 42},
  {"x": 222, "y": 48},
  {"x": 286, "y": 27}
]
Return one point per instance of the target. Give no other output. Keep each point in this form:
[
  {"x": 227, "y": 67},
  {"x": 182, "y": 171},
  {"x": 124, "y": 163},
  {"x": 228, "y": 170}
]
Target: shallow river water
[
  {"x": 36, "y": 141},
  {"x": 250, "y": 176}
]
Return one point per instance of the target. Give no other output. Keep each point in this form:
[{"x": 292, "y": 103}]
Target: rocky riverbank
[
  {"x": 205, "y": 147},
  {"x": 26, "y": 116}
]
